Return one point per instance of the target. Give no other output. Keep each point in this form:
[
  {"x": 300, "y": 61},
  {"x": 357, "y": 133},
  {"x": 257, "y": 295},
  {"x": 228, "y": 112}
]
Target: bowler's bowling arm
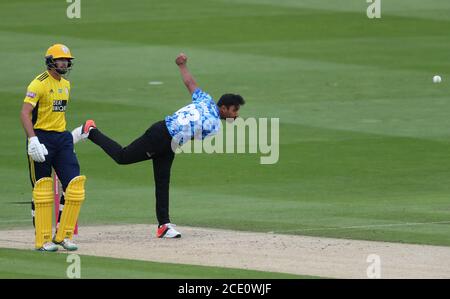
[{"x": 188, "y": 80}]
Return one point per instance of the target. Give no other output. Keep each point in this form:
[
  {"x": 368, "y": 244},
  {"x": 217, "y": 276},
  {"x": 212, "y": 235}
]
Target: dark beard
[{"x": 61, "y": 71}]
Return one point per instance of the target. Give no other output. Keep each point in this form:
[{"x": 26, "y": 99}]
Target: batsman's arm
[
  {"x": 188, "y": 80},
  {"x": 25, "y": 117}
]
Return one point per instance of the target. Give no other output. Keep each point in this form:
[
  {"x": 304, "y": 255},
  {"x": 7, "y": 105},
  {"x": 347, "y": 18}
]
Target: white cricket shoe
[
  {"x": 167, "y": 231},
  {"x": 67, "y": 244},
  {"x": 49, "y": 246}
]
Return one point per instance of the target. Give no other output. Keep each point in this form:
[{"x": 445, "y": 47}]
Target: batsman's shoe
[
  {"x": 49, "y": 246},
  {"x": 67, "y": 244},
  {"x": 82, "y": 132},
  {"x": 167, "y": 231}
]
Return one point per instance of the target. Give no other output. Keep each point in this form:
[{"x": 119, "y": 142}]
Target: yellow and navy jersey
[{"x": 49, "y": 98}]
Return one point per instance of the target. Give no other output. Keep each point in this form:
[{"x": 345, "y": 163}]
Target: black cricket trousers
[{"x": 154, "y": 144}]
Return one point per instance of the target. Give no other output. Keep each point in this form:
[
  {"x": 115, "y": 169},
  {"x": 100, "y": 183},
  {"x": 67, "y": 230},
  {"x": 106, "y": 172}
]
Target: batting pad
[
  {"x": 74, "y": 197},
  {"x": 43, "y": 202}
]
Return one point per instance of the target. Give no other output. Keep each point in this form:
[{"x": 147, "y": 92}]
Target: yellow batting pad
[
  {"x": 74, "y": 197},
  {"x": 43, "y": 203}
]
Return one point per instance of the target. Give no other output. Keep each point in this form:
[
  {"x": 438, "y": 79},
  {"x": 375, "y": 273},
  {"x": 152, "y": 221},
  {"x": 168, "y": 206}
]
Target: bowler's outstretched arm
[{"x": 188, "y": 80}]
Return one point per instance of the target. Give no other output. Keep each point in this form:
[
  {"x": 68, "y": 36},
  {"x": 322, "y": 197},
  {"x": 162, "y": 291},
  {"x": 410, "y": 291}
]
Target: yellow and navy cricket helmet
[{"x": 58, "y": 51}]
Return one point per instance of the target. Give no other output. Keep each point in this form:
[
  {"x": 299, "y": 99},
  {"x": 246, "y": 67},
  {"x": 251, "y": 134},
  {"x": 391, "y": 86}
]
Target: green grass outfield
[
  {"x": 29, "y": 264},
  {"x": 364, "y": 132}
]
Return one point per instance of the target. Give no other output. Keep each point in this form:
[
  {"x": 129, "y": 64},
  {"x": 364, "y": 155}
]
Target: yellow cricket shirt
[{"x": 49, "y": 98}]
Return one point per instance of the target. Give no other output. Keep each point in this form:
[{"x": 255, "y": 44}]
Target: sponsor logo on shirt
[
  {"x": 59, "y": 105},
  {"x": 31, "y": 94}
]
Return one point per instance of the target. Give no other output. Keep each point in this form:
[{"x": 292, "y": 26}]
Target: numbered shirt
[{"x": 195, "y": 121}]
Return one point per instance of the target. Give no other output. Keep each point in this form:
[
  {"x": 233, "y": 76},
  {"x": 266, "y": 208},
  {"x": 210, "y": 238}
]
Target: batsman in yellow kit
[{"x": 49, "y": 147}]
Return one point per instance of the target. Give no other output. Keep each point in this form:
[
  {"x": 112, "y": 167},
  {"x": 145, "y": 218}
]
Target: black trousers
[{"x": 154, "y": 144}]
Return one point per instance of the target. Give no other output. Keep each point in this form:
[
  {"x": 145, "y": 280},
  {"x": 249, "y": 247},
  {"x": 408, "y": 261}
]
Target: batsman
[{"x": 49, "y": 146}]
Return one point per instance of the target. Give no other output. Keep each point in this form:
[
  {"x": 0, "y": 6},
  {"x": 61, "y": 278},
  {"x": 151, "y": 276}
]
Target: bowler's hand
[{"x": 181, "y": 59}]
